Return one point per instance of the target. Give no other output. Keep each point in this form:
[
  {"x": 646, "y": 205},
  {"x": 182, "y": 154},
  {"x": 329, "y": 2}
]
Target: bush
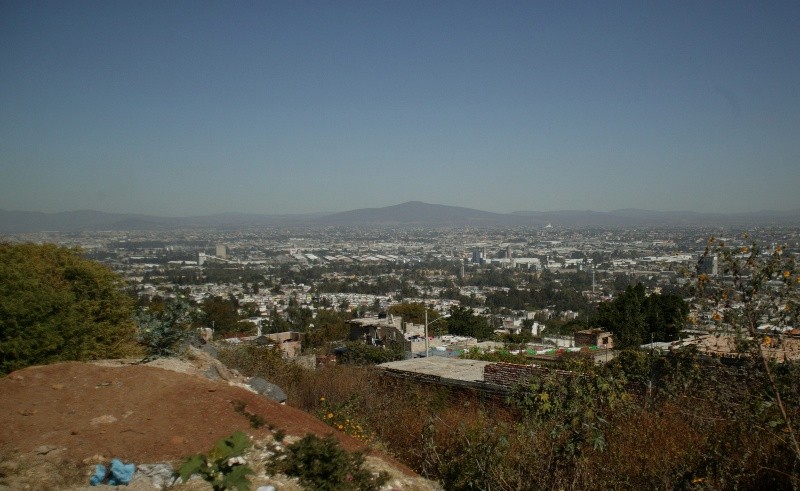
[
  {"x": 321, "y": 464},
  {"x": 358, "y": 353},
  {"x": 162, "y": 332},
  {"x": 56, "y": 305}
]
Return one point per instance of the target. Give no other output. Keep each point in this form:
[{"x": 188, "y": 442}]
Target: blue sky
[{"x": 189, "y": 108}]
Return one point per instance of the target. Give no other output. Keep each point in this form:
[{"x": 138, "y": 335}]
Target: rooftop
[{"x": 454, "y": 370}]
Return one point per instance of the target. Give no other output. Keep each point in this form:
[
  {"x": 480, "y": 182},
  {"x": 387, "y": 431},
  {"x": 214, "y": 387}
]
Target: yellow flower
[
  {"x": 744, "y": 250},
  {"x": 329, "y": 416},
  {"x": 322, "y": 398},
  {"x": 787, "y": 274},
  {"x": 339, "y": 426}
]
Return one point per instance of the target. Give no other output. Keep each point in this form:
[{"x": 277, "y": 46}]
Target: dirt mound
[{"x": 140, "y": 414}]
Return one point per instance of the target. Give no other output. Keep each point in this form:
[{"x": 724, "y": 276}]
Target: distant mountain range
[{"x": 410, "y": 214}]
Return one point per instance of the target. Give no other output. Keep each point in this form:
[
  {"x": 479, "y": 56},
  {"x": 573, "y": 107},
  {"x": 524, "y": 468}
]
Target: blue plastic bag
[{"x": 121, "y": 473}]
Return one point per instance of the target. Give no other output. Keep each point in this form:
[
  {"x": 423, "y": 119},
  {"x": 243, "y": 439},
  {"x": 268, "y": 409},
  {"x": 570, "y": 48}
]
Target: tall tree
[
  {"x": 222, "y": 314},
  {"x": 463, "y": 323},
  {"x": 635, "y": 317},
  {"x": 413, "y": 312}
]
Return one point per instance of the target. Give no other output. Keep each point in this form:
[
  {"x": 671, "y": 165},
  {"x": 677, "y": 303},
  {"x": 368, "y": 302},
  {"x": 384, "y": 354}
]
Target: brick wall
[
  {"x": 510, "y": 374},
  {"x": 506, "y": 374}
]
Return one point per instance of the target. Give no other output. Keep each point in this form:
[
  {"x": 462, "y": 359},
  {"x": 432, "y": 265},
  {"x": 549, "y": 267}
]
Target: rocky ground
[{"x": 58, "y": 421}]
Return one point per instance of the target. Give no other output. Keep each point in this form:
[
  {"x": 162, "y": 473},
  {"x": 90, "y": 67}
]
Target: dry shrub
[
  {"x": 697, "y": 436},
  {"x": 650, "y": 449}
]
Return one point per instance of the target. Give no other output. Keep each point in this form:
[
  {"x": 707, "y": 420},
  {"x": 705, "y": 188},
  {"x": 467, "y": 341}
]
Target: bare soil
[{"x": 88, "y": 413}]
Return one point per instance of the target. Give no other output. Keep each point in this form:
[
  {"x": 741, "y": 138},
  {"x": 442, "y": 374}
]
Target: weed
[
  {"x": 343, "y": 418},
  {"x": 256, "y": 421},
  {"x": 223, "y": 467}
]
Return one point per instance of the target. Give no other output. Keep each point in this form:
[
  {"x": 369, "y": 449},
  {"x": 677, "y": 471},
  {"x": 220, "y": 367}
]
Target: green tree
[
  {"x": 413, "y": 312},
  {"x": 624, "y": 316},
  {"x": 222, "y": 314},
  {"x": 329, "y": 326},
  {"x": 56, "y": 305},
  {"x": 358, "y": 353},
  {"x": 635, "y": 317},
  {"x": 462, "y": 322},
  {"x": 162, "y": 330}
]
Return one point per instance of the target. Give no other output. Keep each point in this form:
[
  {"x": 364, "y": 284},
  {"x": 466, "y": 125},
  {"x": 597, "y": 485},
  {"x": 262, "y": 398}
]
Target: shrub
[
  {"x": 321, "y": 464},
  {"x": 358, "y": 353},
  {"x": 575, "y": 406},
  {"x": 163, "y": 332},
  {"x": 56, "y": 305}
]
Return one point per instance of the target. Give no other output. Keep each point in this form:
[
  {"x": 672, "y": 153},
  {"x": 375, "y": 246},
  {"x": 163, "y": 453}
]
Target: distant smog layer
[{"x": 412, "y": 214}]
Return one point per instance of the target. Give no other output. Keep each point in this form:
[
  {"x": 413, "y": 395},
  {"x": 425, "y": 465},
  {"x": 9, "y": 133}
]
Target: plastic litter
[
  {"x": 120, "y": 473},
  {"x": 99, "y": 475}
]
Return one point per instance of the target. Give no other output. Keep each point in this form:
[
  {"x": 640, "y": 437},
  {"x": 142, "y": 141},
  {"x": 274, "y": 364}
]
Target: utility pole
[{"x": 426, "y": 331}]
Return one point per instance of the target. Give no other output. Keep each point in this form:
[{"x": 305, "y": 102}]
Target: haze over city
[{"x": 191, "y": 108}]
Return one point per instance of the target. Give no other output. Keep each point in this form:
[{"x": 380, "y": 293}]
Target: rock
[
  {"x": 268, "y": 390},
  {"x": 219, "y": 371},
  {"x": 159, "y": 475},
  {"x": 103, "y": 420},
  {"x": 211, "y": 350}
]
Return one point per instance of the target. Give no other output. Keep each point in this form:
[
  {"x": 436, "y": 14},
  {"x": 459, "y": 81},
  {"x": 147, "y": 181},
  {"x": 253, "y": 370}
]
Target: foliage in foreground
[
  {"x": 56, "y": 306},
  {"x": 702, "y": 424},
  {"x": 321, "y": 464},
  {"x": 223, "y": 466}
]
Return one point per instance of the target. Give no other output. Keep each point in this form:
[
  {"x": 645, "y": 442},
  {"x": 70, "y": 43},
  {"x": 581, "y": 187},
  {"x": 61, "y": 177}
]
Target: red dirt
[{"x": 135, "y": 413}]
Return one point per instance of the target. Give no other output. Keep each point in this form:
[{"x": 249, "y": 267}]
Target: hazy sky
[{"x": 185, "y": 108}]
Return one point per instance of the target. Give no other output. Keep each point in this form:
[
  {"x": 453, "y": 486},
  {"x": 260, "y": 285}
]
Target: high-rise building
[{"x": 222, "y": 251}]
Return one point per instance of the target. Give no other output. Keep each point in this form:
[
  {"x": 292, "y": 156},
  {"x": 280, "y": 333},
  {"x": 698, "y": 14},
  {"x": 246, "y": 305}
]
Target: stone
[
  {"x": 103, "y": 420},
  {"x": 159, "y": 475},
  {"x": 268, "y": 390}
]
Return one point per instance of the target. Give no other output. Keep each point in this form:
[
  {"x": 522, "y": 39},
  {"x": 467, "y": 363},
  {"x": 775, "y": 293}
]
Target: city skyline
[{"x": 194, "y": 108}]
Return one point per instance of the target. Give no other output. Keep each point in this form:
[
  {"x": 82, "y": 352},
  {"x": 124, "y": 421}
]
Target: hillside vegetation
[
  {"x": 702, "y": 425},
  {"x": 56, "y": 305}
]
